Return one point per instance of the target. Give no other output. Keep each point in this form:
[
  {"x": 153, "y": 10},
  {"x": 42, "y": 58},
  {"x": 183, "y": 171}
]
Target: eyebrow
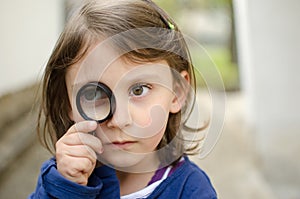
[
  {"x": 136, "y": 76},
  {"x": 79, "y": 84},
  {"x": 141, "y": 77}
]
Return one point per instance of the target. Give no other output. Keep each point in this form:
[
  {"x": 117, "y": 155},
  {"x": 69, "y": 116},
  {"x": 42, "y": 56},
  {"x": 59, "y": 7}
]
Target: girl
[{"x": 116, "y": 95}]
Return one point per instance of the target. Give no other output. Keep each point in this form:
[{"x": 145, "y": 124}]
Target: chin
[
  {"x": 121, "y": 158},
  {"x": 127, "y": 162}
]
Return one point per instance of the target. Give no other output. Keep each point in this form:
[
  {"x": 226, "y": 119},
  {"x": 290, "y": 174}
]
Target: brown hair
[{"x": 107, "y": 18}]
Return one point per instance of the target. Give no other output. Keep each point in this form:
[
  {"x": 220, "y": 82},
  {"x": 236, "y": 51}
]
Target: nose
[{"x": 121, "y": 117}]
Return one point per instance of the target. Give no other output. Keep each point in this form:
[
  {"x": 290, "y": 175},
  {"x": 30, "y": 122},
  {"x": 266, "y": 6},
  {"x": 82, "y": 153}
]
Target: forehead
[{"x": 103, "y": 64}]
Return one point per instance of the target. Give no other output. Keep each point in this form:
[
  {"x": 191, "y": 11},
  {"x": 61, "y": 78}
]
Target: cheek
[
  {"x": 141, "y": 115},
  {"x": 148, "y": 122},
  {"x": 153, "y": 111},
  {"x": 152, "y": 143},
  {"x": 75, "y": 116}
]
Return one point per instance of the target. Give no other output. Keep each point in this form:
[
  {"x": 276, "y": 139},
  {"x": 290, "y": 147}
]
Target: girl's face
[{"x": 144, "y": 98}]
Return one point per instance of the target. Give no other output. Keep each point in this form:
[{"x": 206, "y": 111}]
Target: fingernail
[{"x": 92, "y": 124}]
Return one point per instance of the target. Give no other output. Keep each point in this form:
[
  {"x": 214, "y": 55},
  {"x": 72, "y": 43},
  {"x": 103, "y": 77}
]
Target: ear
[{"x": 180, "y": 92}]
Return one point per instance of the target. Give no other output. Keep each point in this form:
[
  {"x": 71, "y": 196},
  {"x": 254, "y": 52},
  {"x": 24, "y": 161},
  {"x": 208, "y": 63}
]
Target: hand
[{"x": 76, "y": 152}]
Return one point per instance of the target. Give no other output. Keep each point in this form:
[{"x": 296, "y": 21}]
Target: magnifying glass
[{"x": 95, "y": 101}]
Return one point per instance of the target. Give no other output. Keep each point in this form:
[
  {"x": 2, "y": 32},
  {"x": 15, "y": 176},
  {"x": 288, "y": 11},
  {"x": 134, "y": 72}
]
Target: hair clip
[
  {"x": 171, "y": 26},
  {"x": 162, "y": 14}
]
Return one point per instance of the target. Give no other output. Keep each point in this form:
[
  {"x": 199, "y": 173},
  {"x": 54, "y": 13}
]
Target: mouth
[{"x": 122, "y": 144}]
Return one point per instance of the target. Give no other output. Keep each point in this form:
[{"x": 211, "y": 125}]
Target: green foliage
[
  {"x": 213, "y": 63},
  {"x": 216, "y": 58},
  {"x": 221, "y": 2},
  {"x": 174, "y": 7},
  {"x": 171, "y": 7}
]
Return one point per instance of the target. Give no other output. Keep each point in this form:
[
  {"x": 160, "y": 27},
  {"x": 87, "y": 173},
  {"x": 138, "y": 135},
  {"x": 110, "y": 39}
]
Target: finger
[
  {"x": 78, "y": 171},
  {"x": 78, "y": 151},
  {"x": 84, "y": 126},
  {"x": 82, "y": 180},
  {"x": 79, "y": 165},
  {"x": 82, "y": 139}
]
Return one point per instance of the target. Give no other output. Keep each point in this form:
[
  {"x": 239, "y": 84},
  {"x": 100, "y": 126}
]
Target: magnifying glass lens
[{"x": 94, "y": 102}]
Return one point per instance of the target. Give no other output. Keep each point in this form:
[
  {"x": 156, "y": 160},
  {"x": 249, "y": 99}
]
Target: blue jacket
[{"x": 188, "y": 181}]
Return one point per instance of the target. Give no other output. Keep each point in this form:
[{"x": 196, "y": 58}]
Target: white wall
[
  {"x": 29, "y": 30},
  {"x": 269, "y": 51}
]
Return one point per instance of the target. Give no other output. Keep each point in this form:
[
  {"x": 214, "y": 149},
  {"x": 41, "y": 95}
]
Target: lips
[{"x": 122, "y": 144}]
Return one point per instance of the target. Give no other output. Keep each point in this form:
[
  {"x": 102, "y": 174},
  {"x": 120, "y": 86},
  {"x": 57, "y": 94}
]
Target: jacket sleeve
[
  {"x": 198, "y": 185},
  {"x": 51, "y": 184}
]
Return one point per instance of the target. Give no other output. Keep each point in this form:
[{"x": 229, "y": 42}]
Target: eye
[
  {"x": 139, "y": 90},
  {"x": 92, "y": 94}
]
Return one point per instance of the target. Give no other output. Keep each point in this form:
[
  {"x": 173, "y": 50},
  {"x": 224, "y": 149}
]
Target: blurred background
[{"x": 254, "y": 45}]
